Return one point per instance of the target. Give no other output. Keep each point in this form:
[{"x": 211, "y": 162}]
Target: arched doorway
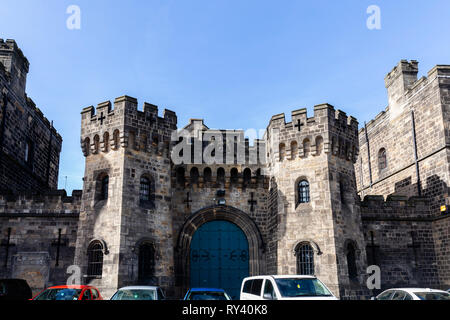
[
  {"x": 238, "y": 218},
  {"x": 219, "y": 257}
]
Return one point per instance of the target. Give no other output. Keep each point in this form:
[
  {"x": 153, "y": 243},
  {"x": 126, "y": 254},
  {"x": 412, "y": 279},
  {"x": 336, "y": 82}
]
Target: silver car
[
  {"x": 139, "y": 293},
  {"x": 413, "y": 294}
]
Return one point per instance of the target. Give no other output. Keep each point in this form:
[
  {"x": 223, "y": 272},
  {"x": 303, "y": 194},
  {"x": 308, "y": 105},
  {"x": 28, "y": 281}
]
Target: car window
[
  {"x": 135, "y": 294},
  {"x": 207, "y": 295},
  {"x": 408, "y": 296},
  {"x": 59, "y": 294},
  {"x": 385, "y": 295},
  {"x": 94, "y": 294},
  {"x": 161, "y": 295},
  {"x": 256, "y": 287},
  {"x": 248, "y": 286},
  {"x": 302, "y": 287},
  {"x": 86, "y": 295},
  {"x": 268, "y": 289},
  {"x": 433, "y": 295},
  {"x": 398, "y": 295}
]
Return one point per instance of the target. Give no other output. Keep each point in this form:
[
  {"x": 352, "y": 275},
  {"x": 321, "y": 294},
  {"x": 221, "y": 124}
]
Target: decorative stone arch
[
  {"x": 196, "y": 220},
  {"x": 312, "y": 243},
  {"x": 105, "y": 249}
]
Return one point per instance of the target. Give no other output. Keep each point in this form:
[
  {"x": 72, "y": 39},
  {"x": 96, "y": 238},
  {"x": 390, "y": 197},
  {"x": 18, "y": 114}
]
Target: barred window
[
  {"x": 104, "y": 188},
  {"x": 144, "y": 193},
  {"x": 305, "y": 259},
  {"x": 146, "y": 262},
  {"x": 95, "y": 260},
  {"x": 303, "y": 192}
]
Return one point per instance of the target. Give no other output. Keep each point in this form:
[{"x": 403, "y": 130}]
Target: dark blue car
[{"x": 206, "y": 294}]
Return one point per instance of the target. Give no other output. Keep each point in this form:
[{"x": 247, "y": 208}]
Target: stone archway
[{"x": 215, "y": 213}]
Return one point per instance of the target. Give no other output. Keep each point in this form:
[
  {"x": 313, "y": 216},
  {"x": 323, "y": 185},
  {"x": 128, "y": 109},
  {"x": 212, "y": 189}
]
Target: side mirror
[{"x": 267, "y": 296}]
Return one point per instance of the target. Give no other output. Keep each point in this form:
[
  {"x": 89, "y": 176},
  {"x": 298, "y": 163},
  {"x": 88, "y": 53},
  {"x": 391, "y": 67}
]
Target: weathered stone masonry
[{"x": 403, "y": 156}]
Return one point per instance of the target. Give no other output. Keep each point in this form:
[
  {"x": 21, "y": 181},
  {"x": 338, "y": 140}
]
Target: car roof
[
  {"x": 139, "y": 288},
  {"x": 417, "y": 290},
  {"x": 282, "y": 277},
  {"x": 206, "y": 289},
  {"x": 71, "y": 287}
]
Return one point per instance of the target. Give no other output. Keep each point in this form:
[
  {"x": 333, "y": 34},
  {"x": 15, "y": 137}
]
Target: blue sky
[{"x": 233, "y": 63}]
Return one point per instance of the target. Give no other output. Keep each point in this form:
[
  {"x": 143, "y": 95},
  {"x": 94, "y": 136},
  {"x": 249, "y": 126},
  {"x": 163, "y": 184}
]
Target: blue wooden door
[{"x": 219, "y": 257}]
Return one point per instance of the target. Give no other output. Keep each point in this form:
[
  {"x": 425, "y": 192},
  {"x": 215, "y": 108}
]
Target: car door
[
  {"x": 269, "y": 290},
  {"x": 86, "y": 295}
]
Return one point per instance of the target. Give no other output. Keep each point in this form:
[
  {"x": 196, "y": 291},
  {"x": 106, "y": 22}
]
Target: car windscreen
[
  {"x": 295, "y": 287},
  {"x": 135, "y": 294},
  {"x": 59, "y": 294},
  {"x": 432, "y": 295},
  {"x": 207, "y": 295}
]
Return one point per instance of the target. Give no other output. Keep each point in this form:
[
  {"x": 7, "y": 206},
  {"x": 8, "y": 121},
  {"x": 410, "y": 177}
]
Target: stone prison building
[{"x": 318, "y": 195}]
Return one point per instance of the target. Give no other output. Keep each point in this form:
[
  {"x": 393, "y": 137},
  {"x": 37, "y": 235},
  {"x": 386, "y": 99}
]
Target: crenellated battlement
[
  {"x": 9, "y": 47},
  {"x": 329, "y": 130},
  {"x": 395, "y": 207},
  {"x": 52, "y": 202},
  {"x": 109, "y": 127},
  {"x": 40, "y": 115}
]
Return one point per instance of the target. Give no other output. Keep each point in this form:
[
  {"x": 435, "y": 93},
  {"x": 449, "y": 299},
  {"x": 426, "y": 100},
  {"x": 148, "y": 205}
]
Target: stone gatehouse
[{"x": 316, "y": 195}]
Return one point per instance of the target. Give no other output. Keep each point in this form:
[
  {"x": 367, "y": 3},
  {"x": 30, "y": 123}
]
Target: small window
[
  {"x": 29, "y": 152},
  {"x": 207, "y": 174},
  {"x": 382, "y": 159},
  {"x": 305, "y": 259},
  {"x": 95, "y": 260},
  {"x": 303, "y": 192},
  {"x": 104, "y": 188},
  {"x": 144, "y": 193},
  {"x": 351, "y": 261},
  {"x": 282, "y": 150},
  {"x": 221, "y": 175},
  {"x": 247, "y": 175}
]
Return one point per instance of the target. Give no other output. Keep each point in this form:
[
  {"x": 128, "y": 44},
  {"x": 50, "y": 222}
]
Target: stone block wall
[{"x": 34, "y": 225}]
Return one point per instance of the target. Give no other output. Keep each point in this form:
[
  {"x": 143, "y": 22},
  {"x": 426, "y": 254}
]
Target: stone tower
[
  {"x": 316, "y": 154},
  {"x": 126, "y": 195}
]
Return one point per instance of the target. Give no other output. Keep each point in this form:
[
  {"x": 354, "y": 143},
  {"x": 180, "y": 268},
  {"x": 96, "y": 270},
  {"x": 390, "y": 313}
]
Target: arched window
[
  {"x": 29, "y": 152},
  {"x": 96, "y": 143},
  {"x": 351, "y": 261},
  {"x": 207, "y": 174},
  {"x": 294, "y": 150},
  {"x": 303, "y": 192},
  {"x": 106, "y": 142},
  {"x": 104, "y": 185},
  {"x": 382, "y": 159},
  {"x": 282, "y": 150},
  {"x": 146, "y": 262},
  {"x": 319, "y": 145},
  {"x": 87, "y": 146},
  {"x": 132, "y": 140},
  {"x": 116, "y": 139},
  {"x": 144, "y": 191},
  {"x": 194, "y": 175},
  {"x": 180, "y": 176},
  {"x": 306, "y": 148},
  {"x": 221, "y": 175},
  {"x": 95, "y": 260},
  {"x": 247, "y": 176},
  {"x": 234, "y": 175},
  {"x": 305, "y": 259}
]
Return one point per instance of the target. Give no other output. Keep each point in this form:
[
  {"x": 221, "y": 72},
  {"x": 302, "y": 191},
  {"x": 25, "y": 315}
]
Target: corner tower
[
  {"x": 124, "y": 232},
  {"x": 318, "y": 228}
]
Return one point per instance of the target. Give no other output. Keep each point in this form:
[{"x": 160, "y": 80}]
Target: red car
[{"x": 69, "y": 293}]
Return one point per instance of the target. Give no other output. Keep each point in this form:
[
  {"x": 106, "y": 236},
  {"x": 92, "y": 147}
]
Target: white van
[{"x": 285, "y": 288}]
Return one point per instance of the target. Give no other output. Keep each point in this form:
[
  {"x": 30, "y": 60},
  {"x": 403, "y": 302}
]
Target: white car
[
  {"x": 413, "y": 294},
  {"x": 139, "y": 293},
  {"x": 289, "y": 287}
]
